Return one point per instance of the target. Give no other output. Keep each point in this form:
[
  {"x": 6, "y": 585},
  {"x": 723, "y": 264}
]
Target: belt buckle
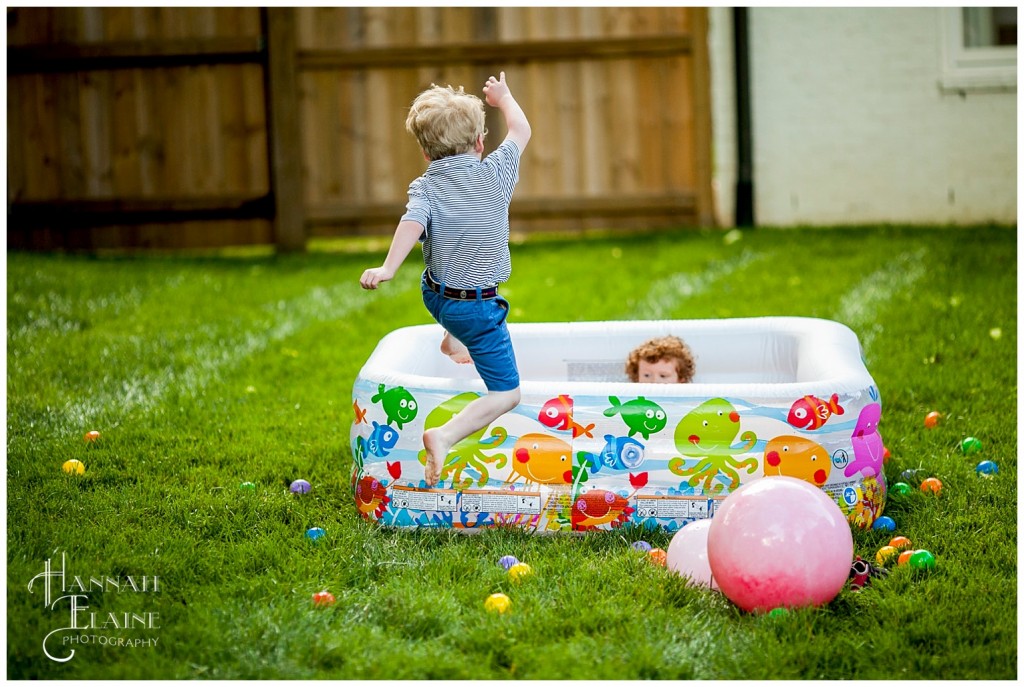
[{"x": 462, "y": 294}]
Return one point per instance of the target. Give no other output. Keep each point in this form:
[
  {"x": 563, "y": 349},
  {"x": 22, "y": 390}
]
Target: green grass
[{"x": 205, "y": 372}]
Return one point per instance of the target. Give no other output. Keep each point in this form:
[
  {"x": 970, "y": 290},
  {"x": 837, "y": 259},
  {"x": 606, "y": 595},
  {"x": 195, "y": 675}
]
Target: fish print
[
  {"x": 810, "y": 412},
  {"x": 371, "y": 498},
  {"x": 398, "y": 404},
  {"x": 541, "y": 459},
  {"x": 619, "y": 453},
  {"x": 868, "y": 450},
  {"x": 360, "y": 413},
  {"x": 557, "y": 414},
  {"x": 797, "y": 457},
  {"x": 640, "y": 415},
  {"x": 382, "y": 439},
  {"x": 599, "y": 507}
]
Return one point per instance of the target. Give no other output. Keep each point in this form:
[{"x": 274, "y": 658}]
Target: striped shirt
[{"x": 462, "y": 204}]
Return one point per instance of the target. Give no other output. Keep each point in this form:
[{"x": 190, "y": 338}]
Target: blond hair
[
  {"x": 446, "y": 121},
  {"x": 664, "y": 348}
]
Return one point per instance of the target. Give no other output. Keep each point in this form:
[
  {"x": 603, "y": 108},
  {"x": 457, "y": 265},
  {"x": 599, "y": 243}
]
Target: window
[{"x": 979, "y": 49}]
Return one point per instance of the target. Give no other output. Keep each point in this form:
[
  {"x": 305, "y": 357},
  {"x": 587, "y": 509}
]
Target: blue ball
[
  {"x": 314, "y": 533},
  {"x": 507, "y": 561},
  {"x": 641, "y": 546},
  {"x": 987, "y": 467},
  {"x": 300, "y": 486},
  {"x": 884, "y": 523}
]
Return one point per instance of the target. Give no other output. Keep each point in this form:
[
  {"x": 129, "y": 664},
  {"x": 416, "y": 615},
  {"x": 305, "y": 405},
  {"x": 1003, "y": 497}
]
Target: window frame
[{"x": 973, "y": 69}]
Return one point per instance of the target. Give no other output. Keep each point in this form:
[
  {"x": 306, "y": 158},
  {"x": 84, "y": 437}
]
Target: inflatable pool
[{"x": 587, "y": 449}]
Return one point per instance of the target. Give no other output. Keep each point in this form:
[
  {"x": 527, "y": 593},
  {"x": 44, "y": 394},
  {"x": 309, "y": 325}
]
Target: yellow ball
[
  {"x": 73, "y": 467},
  {"x": 885, "y": 553},
  {"x": 519, "y": 571},
  {"x": 497, "y": 603}
]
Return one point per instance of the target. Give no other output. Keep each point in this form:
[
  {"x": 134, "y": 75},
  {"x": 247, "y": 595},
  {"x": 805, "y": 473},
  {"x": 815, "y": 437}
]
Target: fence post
[{"x": 283, "y": 143}]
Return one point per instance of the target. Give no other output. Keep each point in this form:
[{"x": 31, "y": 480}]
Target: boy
[
  {"x": 459, "y": 210},
  {"x": 664, "y": 360}
]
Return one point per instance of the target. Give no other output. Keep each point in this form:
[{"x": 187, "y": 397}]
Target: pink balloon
[
  {"x": 688, "y": 554},
  {"x": 779, "y": 541}
]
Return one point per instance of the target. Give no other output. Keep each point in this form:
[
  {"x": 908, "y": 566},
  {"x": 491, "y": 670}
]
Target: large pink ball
[
  {"x": 688, "y": 554},
  {"x": 779, "y": 541}
]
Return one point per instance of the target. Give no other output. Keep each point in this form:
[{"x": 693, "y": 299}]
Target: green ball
[
  {"x": 248, "y": 486},
  {"x": 970, "y": 445},
  {"x": 922, "y": 560},
  {"x": 901, "y": 488},
  {"x": 778, "y": 612}
]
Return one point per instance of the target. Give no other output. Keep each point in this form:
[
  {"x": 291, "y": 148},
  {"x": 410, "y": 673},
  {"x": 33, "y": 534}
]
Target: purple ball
[
  {"x": 507, "y": 561},
  {"x": 641, "y": 546},
  {"x": 300, "y": 486}
]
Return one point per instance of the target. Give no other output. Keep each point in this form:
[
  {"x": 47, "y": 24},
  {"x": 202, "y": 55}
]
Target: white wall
[{"x": 850, "y": 124}]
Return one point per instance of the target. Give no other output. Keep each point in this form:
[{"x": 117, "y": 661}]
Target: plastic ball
[
  {"x": 248, "y": 486},
  {"x": 987, "y": 467},
  {"x": 909, "y": 475},
  {"x": 315, "y": 533},
  {"x": 300, "y": 486},
  {"x": 885, "y": 553},
  {"x": 507, "y": 561},
  {"x": 658, "y": 557},
  {"x": 970, "y": 445},
  {"x": 922, "y": 560},
  {"x": 323, "y": 598},
  {"x": 900, "y": 543},
  {"x": 778, "y": 612},
  {"x": 904, "y": 557},
  {"x": 884, "y": 523},
  {"x": 779, "y": 541},
  {"x": 901, "y": 488},
  {"x": 520, "y": 571},
  {"x": 931, "y": 484},
  {"x": 641, "y": 546},
  {"x": 73, "y": 467},
  {"x": 886, "y": 455},
  {"x": 932, "y": 419},
  {"x": 688, "y": 554},
  {"x": 497, "y": 603},
  {"x": 92, "y": 435}
]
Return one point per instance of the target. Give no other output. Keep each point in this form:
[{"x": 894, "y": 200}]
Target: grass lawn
[{"x": 202, "y": 373}]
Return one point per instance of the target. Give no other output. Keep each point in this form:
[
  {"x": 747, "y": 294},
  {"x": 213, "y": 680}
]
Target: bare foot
[
  {"x": 436, "y": 453},
  {"x": 455, "y": 349}
]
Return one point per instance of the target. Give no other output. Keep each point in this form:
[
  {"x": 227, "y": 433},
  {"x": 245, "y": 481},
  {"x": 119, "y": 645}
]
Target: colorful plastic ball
[
  {"x": 904, "y": 558},
  {"x": 932, "y": 484},
  {"x": 73, "y": 467},
  {"x": 900, "y": 543},
  {"x": 641, "y": 546},
  {"x": 779, "y": 541},
  {"x": 970, "y": 445},
  {"x": 520, "y": 571},
  {"x": 779, "y": 612},
  {"x": 497, "y": 603},
  {"x": 658, "y": 557},
  {"x": 315, "y": 533},
  {"x": 323, "y": 598},
  {"x": 909, "y": 475},
  {"x": 688, "y": 554},
  {"x": 987, "y": 467},
  {"x": 922, "y": 560},
  {"x": 884, "y": 523},
  {"x": 885, "y": 554},
  {"x": 300, "y": 486},
  {"x": 507, "y": 561},
  {"x": 932, "y": 419},
  {"x": 901, "y": 488},
  {"x": 248, "y": 486},
  {"x": 92, "y": 435},
  {"x": 886, "y": 455}
]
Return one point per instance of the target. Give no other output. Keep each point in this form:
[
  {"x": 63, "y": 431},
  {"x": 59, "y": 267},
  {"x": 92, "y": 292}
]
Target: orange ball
[
  {"x": 92, "y": 435},
  {"x": 905, "y": 557},
  {"x": 931, "y": 484},
  {"x": 324, "y": 598},
  {"x": 900, "y": 543},
  {"x": 932, "y": 419},
  {"x": 885, "y": 455},
  {"x": 658, "y": 557}
]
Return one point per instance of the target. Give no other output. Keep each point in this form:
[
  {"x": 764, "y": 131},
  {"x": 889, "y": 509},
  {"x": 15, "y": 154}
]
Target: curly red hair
[{"x": 662, "y": 348}]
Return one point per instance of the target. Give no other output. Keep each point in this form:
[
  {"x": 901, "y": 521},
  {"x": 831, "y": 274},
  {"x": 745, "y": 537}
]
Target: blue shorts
[{"x": 480, "y": 325}]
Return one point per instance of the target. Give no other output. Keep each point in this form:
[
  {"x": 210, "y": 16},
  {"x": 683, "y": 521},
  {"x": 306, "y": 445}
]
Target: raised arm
[{"x": 498, "y": 95}]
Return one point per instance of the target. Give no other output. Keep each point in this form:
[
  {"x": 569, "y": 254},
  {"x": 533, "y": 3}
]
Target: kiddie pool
[{"x": 587, "y": 449}]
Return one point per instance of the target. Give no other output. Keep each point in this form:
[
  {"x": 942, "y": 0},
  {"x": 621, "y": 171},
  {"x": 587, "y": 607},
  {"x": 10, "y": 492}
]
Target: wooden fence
[{"x": 183, "y": 127}]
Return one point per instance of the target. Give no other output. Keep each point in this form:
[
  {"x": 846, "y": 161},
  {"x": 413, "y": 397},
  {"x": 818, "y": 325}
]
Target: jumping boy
[{"x": 458, "y": 209}]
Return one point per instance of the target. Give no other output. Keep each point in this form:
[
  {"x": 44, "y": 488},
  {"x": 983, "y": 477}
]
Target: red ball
[{"x": 323, "y": 598}]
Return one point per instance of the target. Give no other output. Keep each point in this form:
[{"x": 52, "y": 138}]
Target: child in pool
[
  {"x": 458, "y": 209},
  {"x": 662, "y": 360}
]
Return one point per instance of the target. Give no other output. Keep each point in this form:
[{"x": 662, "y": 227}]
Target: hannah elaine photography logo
[{"x": 68, "y": 596}]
